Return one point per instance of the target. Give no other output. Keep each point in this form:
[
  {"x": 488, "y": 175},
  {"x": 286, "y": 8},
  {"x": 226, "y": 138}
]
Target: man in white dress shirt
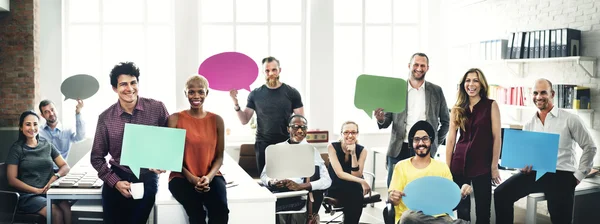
[
  {"x": 559, "y": 187},
  {"x": 297, "y": 127}
]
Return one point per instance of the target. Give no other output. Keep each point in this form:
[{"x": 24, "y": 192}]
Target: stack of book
[{"x": 544, "y": 44}]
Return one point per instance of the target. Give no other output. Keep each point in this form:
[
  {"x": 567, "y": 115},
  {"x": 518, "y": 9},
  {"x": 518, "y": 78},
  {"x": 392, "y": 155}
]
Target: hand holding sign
[
  {"x": 432, "y": 195},
  {"x": 79, "y": 87},
  {"x": 229, "y": 70},
  {"x": 374, "y": 92},
  {"x": 152, "y": 147},
  {"x": 527, "y": 148}
]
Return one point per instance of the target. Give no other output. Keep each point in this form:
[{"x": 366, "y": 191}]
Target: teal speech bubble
[
  {"x": 432, "y": 195},
  {"x": 374, "y": 92},
  {"x": 153, "y": 147},
  {"x": 79, "y": 87}
]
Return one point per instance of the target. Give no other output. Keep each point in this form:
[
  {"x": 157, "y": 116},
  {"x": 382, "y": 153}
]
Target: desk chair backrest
[
  {"x": 8, "y": 198},
  {"x": 247, "y": 160},
  {"x": 290, "y": 161}
]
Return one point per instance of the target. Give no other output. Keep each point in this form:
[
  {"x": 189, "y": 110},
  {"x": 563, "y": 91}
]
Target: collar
[
  {"x": 302, "y": 142},
  {"x": 419, "y": 88},
  {"x": 58, "y": 126},
  {"x": 554, "y": 112},
  {"x": 139, "y": 105}
]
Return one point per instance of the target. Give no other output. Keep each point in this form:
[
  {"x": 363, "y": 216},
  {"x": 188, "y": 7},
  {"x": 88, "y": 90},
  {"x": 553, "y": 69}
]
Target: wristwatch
[
  {"x": 237, "y": 107},
  {"x": 57, "y": 175}
]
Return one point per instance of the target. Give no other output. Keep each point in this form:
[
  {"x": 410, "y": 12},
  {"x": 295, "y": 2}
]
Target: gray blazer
[{"x": 437, "y": 115}]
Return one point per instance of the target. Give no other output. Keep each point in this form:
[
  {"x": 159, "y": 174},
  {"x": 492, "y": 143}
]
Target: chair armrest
[
  {"x": 8, "y": 205},
  {"x": 290, "y": 194},
  {"x": 369, "y": 173},
  {"x": 389, "y": 213}
]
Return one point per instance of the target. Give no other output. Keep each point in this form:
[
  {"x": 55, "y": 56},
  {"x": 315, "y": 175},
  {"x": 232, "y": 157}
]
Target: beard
[
  {"x": 272, "y": 82},
  {"x": 414, "y": 76},
  {"x": 422, "y": 155}
]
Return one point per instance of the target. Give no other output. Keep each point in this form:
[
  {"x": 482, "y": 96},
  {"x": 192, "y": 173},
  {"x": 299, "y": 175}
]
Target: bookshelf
[{"x": 587, "y": 64}]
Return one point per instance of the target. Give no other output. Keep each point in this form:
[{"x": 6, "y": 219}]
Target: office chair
[
  {"x": 333, "y": 206},
  {"x": 290, "y": 161},
  {"x": 247, "y": 160},
  {"x": 389, "y": 214},
  {"x": 9, "y": 199}
]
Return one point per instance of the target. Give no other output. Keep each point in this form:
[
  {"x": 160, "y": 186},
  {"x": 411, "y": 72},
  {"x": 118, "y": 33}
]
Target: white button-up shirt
[
  {"x": 571, "y": 130},
  {"x": 415, "y": 108}
]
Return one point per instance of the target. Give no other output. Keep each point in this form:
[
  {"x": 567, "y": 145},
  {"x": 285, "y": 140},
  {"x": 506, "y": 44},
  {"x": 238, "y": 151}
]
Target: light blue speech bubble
[
  {"x": 523, "y": 148},
  {"x": 432, "y": 195},
  {"x": 153, "y": 147}
]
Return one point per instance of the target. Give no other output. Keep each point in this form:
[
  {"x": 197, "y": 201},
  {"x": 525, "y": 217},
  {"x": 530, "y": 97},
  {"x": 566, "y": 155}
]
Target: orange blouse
[{"x": 200, "y": 143}]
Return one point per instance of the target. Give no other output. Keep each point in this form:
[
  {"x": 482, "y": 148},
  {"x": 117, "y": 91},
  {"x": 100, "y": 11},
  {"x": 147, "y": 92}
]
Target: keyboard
[{"x": 78, "y": 180}]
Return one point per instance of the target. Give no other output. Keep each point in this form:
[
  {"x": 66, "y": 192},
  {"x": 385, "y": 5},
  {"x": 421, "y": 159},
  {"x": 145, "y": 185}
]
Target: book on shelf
[{"x": 581, "y": 98}]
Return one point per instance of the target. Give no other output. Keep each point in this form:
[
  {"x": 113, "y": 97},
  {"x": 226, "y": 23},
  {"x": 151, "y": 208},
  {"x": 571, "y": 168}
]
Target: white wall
[
  {"x": 4, "y": 5},
  {"x": 473, "y": 21}
]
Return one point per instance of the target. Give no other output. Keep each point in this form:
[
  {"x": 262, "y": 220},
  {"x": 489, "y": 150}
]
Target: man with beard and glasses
[
  {"x": 62, "y": 138},
  {"x": 319, "y": 182},
  {"x": 273, "y": 102},
  {"x": 421, "y": 136},
  {"x": 559, "y": 187},
  {"x": 425, "y": 101}
]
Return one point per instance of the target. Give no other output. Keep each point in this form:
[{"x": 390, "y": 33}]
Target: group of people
[{"x": 34, "y": 162}]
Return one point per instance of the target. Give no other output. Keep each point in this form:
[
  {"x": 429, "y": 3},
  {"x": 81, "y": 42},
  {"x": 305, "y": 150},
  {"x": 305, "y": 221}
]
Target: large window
[
  {"x": 257, "y": 28},
  {"x": 375, "y": 37},
  {"x": 101, "y": 33}
]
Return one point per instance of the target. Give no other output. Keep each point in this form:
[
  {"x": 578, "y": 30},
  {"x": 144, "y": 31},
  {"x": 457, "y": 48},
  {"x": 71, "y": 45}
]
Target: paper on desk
[
  {"x": 153, "y": 147},
  {"x": 522, "y": 148}
]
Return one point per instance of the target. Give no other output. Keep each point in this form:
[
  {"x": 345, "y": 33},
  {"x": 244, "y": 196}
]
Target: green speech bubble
[
  {"x": 374, "y": 92},
  {"x": 153, "y": 147}
]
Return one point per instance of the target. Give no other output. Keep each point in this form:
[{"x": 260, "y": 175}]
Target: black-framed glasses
[
  {"x": 425, "y": 139},
  {"x": 296, "y": 127}
]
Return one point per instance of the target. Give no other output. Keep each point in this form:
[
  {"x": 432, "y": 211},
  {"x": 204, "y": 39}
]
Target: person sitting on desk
[
  {"x": 347, "y": 161},
  {"x": 420, "y": 137},
  {"x": 200, "y": 184},
  {"x": 297, "y": 128},
  {"x": 30, "y": 161}
]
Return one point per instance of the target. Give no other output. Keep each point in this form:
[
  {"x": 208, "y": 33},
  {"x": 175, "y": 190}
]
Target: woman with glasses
[
  {"x": 475, "y": 157},
  {"x": 346, "y": 161}
]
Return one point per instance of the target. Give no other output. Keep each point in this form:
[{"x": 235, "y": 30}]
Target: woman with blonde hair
[
  {"x": 346, "y": 164},
  {"x": 200, "y": 184},
  {"x": 474, "y": 159}
]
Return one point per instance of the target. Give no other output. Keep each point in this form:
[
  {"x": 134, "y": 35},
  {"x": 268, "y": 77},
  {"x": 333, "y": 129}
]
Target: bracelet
[
  {"x": 355, "y": 168},
  {"x": 237, "y": 107}
]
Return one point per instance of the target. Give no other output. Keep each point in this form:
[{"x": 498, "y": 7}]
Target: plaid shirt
[{"x": 110, "y": 129}]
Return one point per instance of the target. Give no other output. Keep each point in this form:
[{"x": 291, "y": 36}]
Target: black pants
[
  {"x": 118, "y": 209},
  {"x": 351, "y": 198},
  {"x": 558, "y": 188},
  {"x": 259, "y": 150},
  {"x": 215, "y": 200},
  {"x": 482, "y": 188}
]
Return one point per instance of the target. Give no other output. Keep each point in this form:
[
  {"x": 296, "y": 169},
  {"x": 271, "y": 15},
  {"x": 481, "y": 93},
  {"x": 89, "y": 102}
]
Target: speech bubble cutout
[
  {"x": 229, "y": 70},
  {"x": 79, "y": 86},
  {"x": 432, "y": 195},
  {"x": 522, "y": 148},
  {"x": 154, "y": 147},
  {"x": 374, "y": 92}
]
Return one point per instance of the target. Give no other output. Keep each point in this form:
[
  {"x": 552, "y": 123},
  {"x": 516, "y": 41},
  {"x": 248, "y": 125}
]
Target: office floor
[{"x": 374, "y": 215}]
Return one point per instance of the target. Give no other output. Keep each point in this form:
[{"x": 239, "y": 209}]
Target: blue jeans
[{"x": 405, "y": 153}]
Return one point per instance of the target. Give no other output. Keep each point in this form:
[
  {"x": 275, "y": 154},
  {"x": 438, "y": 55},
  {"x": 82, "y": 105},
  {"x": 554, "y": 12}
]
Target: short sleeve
[
  {"x": 295, "y": 98},
  {"x": 54, "y": 151},
  {"x": 250, "y": 104},
  {"x": 14, "y": 154}
]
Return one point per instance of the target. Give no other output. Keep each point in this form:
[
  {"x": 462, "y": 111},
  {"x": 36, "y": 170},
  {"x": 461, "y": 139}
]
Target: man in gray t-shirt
[{"x": 274, "y": 102}]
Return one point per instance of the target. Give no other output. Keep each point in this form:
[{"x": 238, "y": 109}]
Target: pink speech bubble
[{"x": 229, "y": 70}]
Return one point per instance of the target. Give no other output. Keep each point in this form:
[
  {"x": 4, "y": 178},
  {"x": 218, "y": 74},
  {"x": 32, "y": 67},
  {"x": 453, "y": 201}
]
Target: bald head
[{"x": 543, "y": 94}]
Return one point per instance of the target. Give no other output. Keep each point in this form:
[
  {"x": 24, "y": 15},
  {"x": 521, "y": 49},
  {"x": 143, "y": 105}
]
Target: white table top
[
  {"x": 83, "y": 165},
  {"x": 247, "y": 189}
]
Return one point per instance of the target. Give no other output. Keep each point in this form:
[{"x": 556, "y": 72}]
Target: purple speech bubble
[{"x": 229, "y": 70}]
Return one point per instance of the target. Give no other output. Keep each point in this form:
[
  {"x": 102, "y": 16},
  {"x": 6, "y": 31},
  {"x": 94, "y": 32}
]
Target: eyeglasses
[
  {"x": 346, "y": 133},
  {"x": 425, "y": 139},
  {"x": 296, "y": 127}
]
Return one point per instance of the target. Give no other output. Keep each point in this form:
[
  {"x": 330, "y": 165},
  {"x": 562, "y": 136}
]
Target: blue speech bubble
[
  {"x": 432, "y": 195},
  {"x": 537, "y": 149}
]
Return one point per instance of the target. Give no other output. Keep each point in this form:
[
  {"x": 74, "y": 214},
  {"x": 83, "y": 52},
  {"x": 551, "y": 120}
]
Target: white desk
[
  {"x": 83, "y": 165},
  {"x": 248, "y": 202}
]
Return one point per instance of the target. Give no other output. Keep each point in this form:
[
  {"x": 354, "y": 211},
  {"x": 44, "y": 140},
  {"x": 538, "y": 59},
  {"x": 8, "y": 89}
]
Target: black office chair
[
  {"x": 9, "y": 199},
  {"x": 389, "y": 214},
  {"x": 333, "y": 206}
]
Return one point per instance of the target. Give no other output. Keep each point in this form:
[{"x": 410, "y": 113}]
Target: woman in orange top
[{"x": 200, "y": 184}]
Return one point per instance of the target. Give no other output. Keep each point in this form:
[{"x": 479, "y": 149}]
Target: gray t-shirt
[
  {"x": 35, "y": 164},
  {"x": 273, "y": 109}
]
